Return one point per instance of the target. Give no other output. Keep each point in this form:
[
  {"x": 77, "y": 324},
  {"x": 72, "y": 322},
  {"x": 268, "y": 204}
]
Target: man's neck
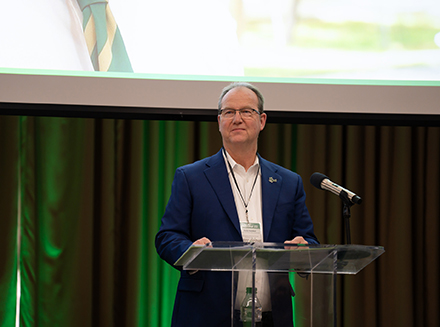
[{"x": 244, "y": 157}]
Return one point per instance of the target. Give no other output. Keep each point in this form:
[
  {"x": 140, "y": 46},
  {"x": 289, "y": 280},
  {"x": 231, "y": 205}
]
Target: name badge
[{"x": 251, "y": 232}]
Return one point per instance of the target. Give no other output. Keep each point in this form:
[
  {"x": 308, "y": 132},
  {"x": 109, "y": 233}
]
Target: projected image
[
  {"x": 378, "y": 39},
  {"x": 158, "y": 37},
  {"x": 373, "y": 39}
]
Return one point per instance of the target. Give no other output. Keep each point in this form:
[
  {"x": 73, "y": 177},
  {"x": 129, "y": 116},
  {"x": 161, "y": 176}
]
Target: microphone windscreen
[{"x": 316, "y": 179}]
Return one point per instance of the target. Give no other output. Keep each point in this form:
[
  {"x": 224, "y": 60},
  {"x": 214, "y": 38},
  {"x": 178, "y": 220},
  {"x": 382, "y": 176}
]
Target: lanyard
[{"x": 238, "y": 188}]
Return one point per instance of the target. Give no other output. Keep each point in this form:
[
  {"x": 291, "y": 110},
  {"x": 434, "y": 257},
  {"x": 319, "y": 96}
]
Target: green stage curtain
[{"x": 93, "y": 195}]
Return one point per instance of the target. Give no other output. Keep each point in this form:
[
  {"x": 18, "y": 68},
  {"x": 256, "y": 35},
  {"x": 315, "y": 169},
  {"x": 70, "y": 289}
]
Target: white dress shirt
[{"x": 252, "y": 197}]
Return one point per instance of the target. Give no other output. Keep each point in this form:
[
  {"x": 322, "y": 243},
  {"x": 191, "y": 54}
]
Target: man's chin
[{"x": 238, "y": 139}]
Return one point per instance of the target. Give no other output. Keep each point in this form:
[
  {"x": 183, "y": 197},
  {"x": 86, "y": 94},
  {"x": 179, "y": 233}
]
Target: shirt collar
[{"x": 236, "y": 165}]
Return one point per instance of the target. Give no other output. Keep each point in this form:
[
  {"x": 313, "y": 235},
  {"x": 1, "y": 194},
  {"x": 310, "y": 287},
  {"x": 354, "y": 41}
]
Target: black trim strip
[{"x": 289, "y": 117}]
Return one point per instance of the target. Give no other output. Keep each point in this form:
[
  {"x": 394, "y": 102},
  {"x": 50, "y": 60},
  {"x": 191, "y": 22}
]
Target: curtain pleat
[
  {"x": 104, "y": 232},
  {"x": 9, "y": 188}
]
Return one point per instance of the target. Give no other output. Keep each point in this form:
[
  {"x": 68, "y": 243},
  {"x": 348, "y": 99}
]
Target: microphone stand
[{"x": 346, "y": 214}]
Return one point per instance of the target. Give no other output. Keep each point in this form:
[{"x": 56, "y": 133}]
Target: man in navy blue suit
[{"x": 235, "y": 195}]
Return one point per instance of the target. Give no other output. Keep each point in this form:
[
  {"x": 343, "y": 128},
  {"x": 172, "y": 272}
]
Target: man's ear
[{"x": 263, "y": 118}]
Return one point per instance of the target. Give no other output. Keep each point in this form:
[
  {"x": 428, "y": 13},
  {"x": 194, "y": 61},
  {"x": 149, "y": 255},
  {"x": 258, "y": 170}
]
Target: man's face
[{"x": 236, "y": 130}]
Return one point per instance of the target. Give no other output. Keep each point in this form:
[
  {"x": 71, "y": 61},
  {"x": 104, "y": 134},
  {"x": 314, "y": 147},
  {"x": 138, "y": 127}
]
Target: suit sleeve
[{"x": 173, "y": 238}]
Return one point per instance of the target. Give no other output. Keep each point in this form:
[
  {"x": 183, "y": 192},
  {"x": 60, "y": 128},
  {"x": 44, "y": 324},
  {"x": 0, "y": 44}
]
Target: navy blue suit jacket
[{"x": 202, "y": 205}]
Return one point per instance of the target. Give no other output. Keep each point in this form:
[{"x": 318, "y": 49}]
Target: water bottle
[{"x": 246, "y": 309}]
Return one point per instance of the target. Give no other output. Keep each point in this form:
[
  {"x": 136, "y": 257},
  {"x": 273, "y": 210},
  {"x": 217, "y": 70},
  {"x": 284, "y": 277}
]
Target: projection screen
[{"x": 313, "y": 60}]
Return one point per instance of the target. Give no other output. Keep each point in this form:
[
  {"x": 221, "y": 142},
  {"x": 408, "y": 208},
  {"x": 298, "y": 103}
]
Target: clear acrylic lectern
[{"x": 311, "y": 268}]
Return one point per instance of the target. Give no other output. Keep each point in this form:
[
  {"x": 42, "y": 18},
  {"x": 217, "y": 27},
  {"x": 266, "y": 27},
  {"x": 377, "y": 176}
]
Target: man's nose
[{"x": 237, "y": 117}]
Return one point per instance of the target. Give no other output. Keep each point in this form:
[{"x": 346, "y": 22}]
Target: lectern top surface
[{"x": 279, "y": 257}]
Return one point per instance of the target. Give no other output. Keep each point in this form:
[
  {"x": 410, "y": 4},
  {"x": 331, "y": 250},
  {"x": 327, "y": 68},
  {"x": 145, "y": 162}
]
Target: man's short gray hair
[{"x": 242, "y": 84}]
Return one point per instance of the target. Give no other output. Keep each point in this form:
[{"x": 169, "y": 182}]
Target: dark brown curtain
[
  {"x": 396, "y": 171},
  {"x": 92, "y": 193},
  {"x": 9, "y": 188}
]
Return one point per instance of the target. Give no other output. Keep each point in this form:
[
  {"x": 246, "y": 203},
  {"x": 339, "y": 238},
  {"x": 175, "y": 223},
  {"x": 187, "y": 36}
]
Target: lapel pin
[{"x": 272, "y": 180}]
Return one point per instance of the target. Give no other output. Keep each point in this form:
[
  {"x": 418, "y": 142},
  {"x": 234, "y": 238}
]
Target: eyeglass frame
[{"x": 240, "y": 111}]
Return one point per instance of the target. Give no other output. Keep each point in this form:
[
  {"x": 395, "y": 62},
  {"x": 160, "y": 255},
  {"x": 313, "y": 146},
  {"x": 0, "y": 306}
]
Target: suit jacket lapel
[
  {"x": 270, "y": 190},
  {"x": 217, "y": 175}
]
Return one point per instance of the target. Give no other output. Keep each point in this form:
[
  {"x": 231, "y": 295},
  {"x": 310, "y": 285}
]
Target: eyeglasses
[{"x": 244, "y": 113}]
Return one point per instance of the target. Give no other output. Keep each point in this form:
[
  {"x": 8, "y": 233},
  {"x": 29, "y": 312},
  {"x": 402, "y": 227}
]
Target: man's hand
[
  {"x": 297, "y": 240},
  {"x": 202, "y": 241}
]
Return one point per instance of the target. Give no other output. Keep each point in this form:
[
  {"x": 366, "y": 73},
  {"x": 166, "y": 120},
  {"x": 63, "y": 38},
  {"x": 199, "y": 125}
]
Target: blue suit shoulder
[
  {"x": 195, "y": 166},
  {"x": 286, "y": 173},
  {"x": 200, "y": 165}
]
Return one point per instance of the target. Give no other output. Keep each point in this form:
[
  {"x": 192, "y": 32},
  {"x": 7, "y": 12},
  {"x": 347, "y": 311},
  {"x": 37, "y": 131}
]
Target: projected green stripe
[{"x": 251, "y": 79}]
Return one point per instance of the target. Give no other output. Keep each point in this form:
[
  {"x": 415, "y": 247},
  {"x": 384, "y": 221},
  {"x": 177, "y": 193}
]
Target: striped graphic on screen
[{"x": 104, "y": 41}]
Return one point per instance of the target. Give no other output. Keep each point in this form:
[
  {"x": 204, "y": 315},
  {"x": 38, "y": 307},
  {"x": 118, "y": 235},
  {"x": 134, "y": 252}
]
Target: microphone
[{"x": 322, "y": 182}]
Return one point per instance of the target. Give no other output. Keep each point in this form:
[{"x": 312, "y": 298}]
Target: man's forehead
[{"x": 241, "y": 95}]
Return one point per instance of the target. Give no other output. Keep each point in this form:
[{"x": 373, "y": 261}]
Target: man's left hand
[{"x": 297, "y": 240}]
